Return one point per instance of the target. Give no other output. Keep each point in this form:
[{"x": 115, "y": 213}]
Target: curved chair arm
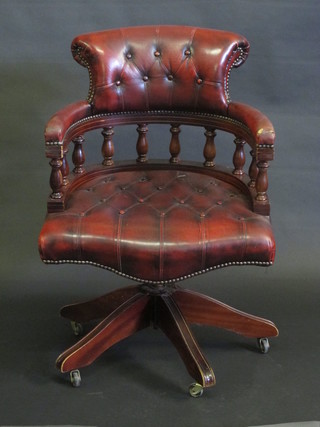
[
  {"x": 259, "y": 125},
  {"x": 60, "y": 122}
]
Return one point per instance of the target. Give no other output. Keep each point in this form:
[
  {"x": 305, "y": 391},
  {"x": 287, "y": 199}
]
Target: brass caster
[
  {"x": 195, "y": 390},
  {"x": 263, "y": 345},
  {"x": 75, "y": 378},
  {"x": 77, "y": 328}
]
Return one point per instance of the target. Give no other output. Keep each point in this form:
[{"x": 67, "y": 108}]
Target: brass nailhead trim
[{"x": 155, "y": 282}]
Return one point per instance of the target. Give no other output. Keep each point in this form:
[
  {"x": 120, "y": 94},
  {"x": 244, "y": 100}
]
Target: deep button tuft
[
  {"x": 170, "y": 77},
  {"x": 118, "y": 83},
  {"x": 202, "y": 218},
  {"x": 129, "y": 55},
  {"x": 187, "y": 52},
  {"x": 199, "y": 81},
  {"x": 143, "y": 179},
  {"x": 157, "y": 54},
  {"x": 145, "y": 78}
]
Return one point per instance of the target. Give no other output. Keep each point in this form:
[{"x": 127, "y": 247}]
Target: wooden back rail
[{"x": 257, "y": 171}]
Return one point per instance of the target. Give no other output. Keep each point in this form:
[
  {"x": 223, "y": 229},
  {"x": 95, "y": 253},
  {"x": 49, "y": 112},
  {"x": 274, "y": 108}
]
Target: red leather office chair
[{"x": 158, "y": 222}]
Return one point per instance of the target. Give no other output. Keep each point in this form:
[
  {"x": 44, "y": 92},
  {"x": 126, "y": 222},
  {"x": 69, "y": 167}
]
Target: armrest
[
  {"x": 64, "y": 118},
  {"x": 259, "y": 125},
  {"x": 262, "y": 143}
]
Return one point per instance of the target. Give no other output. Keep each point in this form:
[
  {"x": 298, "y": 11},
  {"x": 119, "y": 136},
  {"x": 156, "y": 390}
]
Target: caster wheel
[
  {"x": 263, "y": 345},
  {"x": 77, "y": 328},
  {"x": 75, "y": 378},
  {"x": 195, "y": 390}
]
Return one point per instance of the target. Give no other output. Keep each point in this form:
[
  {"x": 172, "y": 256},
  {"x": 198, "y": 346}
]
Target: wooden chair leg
[
  {"x": 100, "y": 307},
  {"x": 130, "y": 317},
  {"x": 171, "y": 321},
  {"x": 201, "y": 309}
]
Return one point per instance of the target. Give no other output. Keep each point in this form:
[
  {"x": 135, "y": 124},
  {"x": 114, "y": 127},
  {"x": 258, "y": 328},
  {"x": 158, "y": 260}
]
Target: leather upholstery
[
  {"x": 63, "y": 119},
  {"x": 159, "y": 67},
  {"x": 157, "y": 225},
  {"x": 260, "y": 125}
]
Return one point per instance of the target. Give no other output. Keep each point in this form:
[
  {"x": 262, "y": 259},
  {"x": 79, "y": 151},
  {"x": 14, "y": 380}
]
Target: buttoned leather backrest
[{"x": 160, "y": 67}]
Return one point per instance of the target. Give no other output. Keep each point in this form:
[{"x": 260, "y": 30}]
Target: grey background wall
[{"x": 280, "y": 77}]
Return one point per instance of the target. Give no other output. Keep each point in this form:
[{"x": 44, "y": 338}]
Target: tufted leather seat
[
  {"x": 158, "y": 225},
  {"x": 158, "y": 222}
]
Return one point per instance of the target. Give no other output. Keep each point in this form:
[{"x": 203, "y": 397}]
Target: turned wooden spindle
[
  {"x": 107, "y": 146},
  {"x": 262, "y": 181},
  {"x": 78, "y": 156},
  {"x": 56, "y": 178},
  {"x": 142, "y": 143},
  {"x": 174, "y": 147},
  {"x": 239, "y": 158},
  {"x": 209, "y": 151},
  {"x": 65, "y": 168},
  {"x": 253, "y": 170}
]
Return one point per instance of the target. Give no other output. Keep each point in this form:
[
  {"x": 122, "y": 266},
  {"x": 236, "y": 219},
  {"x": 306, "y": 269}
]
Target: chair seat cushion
[{"x": 157, "y": 225}]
